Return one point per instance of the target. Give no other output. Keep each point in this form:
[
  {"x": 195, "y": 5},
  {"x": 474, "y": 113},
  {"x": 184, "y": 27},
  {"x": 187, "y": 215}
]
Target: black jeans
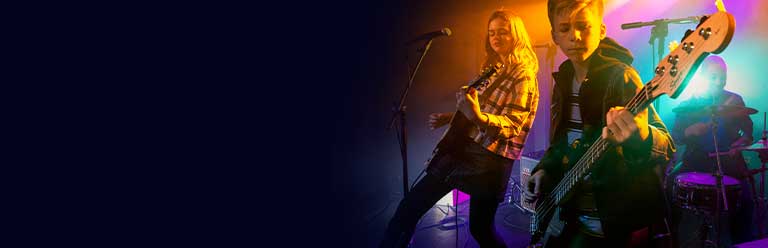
[{"x": 484, "y": 188}]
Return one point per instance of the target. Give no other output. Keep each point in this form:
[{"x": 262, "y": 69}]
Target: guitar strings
[
  {"x": 580, "y": 165},
  {"x": 548, "y": 205}
]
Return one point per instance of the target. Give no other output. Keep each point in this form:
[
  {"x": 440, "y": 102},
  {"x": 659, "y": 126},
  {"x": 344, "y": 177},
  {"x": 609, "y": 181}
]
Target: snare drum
[{"x": 696, "y": 191}]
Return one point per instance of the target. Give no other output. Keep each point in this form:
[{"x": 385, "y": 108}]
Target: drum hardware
[
  {"x": 761, "y": 147},
  {"x": 730, "y": 152},
  {"x": 724, "y": 110},
  {"x": 721, "y": 197},
  {"x": 695, "y": 191},
  {"x": 692, "y": 197}
]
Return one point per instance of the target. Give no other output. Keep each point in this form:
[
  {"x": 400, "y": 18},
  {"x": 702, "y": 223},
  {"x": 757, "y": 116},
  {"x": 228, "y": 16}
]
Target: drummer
[{"x": 693, "y": 130}]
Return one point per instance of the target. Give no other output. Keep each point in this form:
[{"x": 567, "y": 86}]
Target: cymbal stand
[
  {"x": 719, "y": 187},
  {"x": 761, "y": 199}
]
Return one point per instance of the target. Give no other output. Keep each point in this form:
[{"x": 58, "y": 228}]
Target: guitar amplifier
[{"x": 526, "y": 166}]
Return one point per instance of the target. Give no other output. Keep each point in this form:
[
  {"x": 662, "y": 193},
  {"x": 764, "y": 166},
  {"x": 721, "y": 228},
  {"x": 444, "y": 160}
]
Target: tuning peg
[
  {"x": 687, "y": 32},
  {"x": 673, "y": 59},
  {"x": 705, "y": 32},
  {"x": 688, "y": 47},
  {"x": 702, "y": 20}
]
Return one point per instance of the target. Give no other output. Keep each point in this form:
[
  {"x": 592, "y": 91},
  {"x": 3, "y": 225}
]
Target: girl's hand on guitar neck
[{"x": 437, "y": 120}]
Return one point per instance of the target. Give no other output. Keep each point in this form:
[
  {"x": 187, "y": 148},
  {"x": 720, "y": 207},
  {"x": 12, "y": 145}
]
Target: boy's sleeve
[{"x": 659, "y": 147}]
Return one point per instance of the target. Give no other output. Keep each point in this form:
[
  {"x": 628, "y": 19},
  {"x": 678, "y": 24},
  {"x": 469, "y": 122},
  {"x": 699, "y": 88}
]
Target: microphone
[{"x": 431, "y": 35}]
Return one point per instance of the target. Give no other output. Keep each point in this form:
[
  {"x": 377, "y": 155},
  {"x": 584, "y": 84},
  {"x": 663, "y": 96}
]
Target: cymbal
[{"x": 722, "y": 110}]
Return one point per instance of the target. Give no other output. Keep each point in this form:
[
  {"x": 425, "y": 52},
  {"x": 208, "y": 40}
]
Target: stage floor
[{"x": 436, "y": 228}]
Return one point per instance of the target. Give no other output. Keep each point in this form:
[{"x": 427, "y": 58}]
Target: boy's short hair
[{"x": 555, "y": 7}]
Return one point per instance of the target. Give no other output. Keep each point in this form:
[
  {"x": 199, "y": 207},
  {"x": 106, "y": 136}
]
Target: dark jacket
[{"x": 627, "y": 184}]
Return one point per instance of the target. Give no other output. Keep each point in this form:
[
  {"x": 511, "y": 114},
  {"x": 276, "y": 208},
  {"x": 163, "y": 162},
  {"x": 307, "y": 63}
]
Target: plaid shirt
[{"x": 510, "y": 108}]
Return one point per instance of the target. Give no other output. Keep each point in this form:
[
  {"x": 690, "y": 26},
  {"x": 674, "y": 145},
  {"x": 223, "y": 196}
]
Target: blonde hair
[
  {"x": 522, "y": 51},
  {"x": 555, "y": 7}
]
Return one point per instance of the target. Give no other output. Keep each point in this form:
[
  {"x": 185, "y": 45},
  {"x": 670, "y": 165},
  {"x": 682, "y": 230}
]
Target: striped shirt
[
  {"x": 574, "y": 124},
  {"x": 510, "y": 108},
  {"x": 589, "y": 222}
]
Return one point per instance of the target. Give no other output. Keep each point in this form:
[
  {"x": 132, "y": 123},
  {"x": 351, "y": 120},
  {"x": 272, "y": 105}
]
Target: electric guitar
[
  {"x": 712, "y": 35},
  {"x": 458, "y": 130}
]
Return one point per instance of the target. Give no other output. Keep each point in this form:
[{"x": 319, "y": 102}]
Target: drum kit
[{"x": 711, "y": 194}]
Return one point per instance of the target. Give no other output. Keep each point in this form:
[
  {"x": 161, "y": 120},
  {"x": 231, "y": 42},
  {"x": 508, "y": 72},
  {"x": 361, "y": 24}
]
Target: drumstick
[{"x": 730, "y": 152}]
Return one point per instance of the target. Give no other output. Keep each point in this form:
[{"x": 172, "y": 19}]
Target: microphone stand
[
  {"x": 398, "y": 113},
  {"x": 659, "y": 33}
]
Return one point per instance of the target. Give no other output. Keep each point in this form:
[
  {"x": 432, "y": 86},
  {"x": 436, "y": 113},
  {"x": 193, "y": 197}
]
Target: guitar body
[
  {"x": 553, "y": 232},
  {"x": 555, "y": 225},
  {"x": 458, "y": 130},
  {"x": 554, "y": 229}
]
